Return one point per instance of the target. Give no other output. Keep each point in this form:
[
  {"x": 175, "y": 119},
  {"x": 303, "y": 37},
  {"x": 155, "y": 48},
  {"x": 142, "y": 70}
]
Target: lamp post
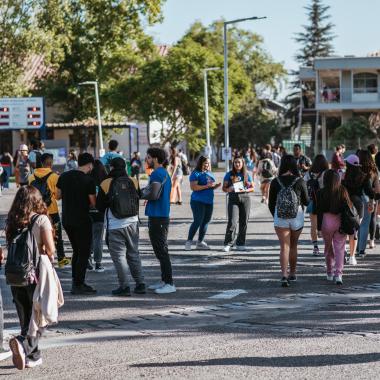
[
  {"x": 208, "y": 144},
  {"x": 100, "y": 131},
  {"x": 226, "y": 126}
]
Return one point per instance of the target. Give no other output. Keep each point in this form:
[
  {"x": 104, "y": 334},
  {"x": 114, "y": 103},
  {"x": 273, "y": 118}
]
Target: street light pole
[
  {"x": 226, "y": 124},
  {"x": 208, "y": 143},
  {"x": 100, "y": 131}
]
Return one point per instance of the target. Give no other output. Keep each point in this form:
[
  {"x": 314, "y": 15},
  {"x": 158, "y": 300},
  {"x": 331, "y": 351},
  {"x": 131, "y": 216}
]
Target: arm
[
  {"x": 48, "y": 242},
  {"x": 92, "y": 200},
  {"x": 305, "y": 200},
  {"x": 226, "y": 188},
  {"x": 102, "y": 201},
  {"x": 58, "y": 194},
  {"x": 195, "y": 187},
  {"x": 273, "y": 190},
  {"x": 368, "y": 190}
]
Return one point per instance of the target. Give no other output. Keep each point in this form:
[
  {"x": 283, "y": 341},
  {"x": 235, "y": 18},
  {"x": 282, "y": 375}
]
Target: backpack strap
[
  {"x": 280, "y": 183},
  {"x": 32, "y": 221},
  {"x": 294, "y": 182}
]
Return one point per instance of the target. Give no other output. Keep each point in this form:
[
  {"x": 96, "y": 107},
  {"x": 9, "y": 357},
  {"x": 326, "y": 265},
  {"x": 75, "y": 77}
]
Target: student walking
[
  {"x": 314, "y": 182},
  {"x": 203, "y": 184},
  {"x": 176, "y": 173},
  {"x": 119, "y": 200},
  {"x": 22, "y": 166},
  {"x": 287, "y": 198},
  {"x": 331, "y": 203},
  {"x": 303, "y": 162},
  {"x": 266, "y": 171},
  {"x": 158, "y": 211},
  {"x": 78, "y": 193},
  {"x": 28, "y": 211},
  {"x": 72, "y": 161},
  {"x": 237, "y": 183},
  {"x": 6, "y": 161}
]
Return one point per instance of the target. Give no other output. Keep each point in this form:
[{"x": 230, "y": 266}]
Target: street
[{"x": 230, "y": 318}]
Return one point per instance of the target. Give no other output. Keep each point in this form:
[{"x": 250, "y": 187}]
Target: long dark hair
[
  {"x": 367, "y": 163},
  {"x": 98, "y": 173},
  {"x": 28, "y": 199},
  {"x": 288, "y": 163},
  {"x": 243, "y": 169},
  {"x": 320, "y": 164},
  {"x": 333, "y": 192},
  {"x": 354, "y": 176},
  {"x": 200, "y": 162}
]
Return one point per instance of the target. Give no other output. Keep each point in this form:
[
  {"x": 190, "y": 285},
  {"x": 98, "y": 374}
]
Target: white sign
[
  {"x": 227, "y": 153},
  {"x": 21, "y": 113}
]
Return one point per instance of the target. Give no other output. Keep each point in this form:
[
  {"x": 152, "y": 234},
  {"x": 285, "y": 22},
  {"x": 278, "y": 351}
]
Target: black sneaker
[
  {"x": 285, "y": 282},
  {"x": 292, "y": 278},
  {"x": 122, "y": 292},
  {"x": 140, "y": 289},
  {"x": 82, "y": 290},
  {"x": 362, "y": 254},
  {"x": 99, "y": 268},
  {"x": 89, "y": 266}
]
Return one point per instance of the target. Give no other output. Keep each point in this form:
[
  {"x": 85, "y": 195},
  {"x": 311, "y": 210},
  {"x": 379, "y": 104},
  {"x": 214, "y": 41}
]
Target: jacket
[{"x": 47, "y": 297}]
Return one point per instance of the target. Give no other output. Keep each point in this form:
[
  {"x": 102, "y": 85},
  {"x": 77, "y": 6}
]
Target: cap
[
  {"x": 23, "y": 147},
  {"x": 353, "y": 160}
]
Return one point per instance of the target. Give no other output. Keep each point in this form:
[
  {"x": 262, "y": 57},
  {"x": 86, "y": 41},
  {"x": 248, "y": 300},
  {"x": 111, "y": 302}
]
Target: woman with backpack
[
  {"x": 332, "y": 201},
  {"x": 314, "y": 182},
  {"x": 266, "y": 171},
  {"x": 287, "y": 198},
  {"x": 27, "y": 211},
  {"x": 237, "y": 184}
]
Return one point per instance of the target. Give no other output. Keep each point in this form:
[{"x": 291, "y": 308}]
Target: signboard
[
  {"x": 21, "y": 113},
  {"x": 227, "y": 153},
  {"x": 288, "y": 145}
]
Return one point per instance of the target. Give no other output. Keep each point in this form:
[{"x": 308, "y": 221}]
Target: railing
[{"x": 348, "y": 95}]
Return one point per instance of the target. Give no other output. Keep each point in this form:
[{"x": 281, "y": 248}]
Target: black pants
[
  {"x": 23, "y": 300},
  {"x": 239, "y": 206},
  {"x": 158, "y": 234},
  {"x": 58, "y": 235},
  {"x": 80, "y": 239}
]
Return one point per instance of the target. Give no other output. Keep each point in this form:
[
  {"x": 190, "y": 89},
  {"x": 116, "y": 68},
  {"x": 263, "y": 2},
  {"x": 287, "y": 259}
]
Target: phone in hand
[{"x": 216, "y": 185}]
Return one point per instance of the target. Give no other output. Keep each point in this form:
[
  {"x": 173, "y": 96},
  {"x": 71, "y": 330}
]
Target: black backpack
[
  {"x": 20, "y": 266},
  {"x": 267, "y": 171},
  {"x": 42, "y": 185},
  {"x": 349, "y": 220},
  {"x": 124, "y": 199},
  {"x": 313, "y": 186},
  {"x": 287, "y": 203}
]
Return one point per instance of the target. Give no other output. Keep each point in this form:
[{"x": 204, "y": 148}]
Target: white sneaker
[
  {"x": 352, "y": 260},
  {"x": 338, "y": 280},
  {"x": 372, "y": 244},
  {"x": 241, "y": 248},
  {"x": 329, "y": 277},
  {"x": 156, "y": 286},
  {"x": 226, "y": 248},
  {"x": 188, "y": 245},
  {"x": 166, "y": 289},
  {"x": 202, "y": 245},
  {"x": 33, "y": 363}
]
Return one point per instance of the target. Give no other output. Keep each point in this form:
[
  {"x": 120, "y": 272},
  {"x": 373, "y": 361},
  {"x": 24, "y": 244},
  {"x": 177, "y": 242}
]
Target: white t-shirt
[
  {"x": 42, "y": 223},
  {"x": 115, "y": 223}
]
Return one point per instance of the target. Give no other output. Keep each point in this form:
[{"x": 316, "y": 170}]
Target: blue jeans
[
  {"x": 97, "y": 241},
  {"x": 364, "y": 227},
  {"x": 202, "y": 213}
]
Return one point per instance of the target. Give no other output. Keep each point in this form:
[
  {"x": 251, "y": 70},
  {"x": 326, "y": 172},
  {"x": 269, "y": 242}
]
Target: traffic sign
[{"x": 22, "y": 113}]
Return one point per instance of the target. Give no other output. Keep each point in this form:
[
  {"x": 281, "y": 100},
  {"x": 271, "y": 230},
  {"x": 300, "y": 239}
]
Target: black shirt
[
  {"x": 75, "y": 187},
  {"x": 299, "y": 188}
]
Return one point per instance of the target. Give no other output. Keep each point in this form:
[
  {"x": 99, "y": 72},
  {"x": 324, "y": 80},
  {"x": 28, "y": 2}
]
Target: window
[{"x": 365, "y": 83}]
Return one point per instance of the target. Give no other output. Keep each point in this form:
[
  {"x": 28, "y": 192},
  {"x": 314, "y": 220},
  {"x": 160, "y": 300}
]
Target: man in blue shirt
[
  {"x": 110, "y": 155},
  {"x": 158, "y": 219}
]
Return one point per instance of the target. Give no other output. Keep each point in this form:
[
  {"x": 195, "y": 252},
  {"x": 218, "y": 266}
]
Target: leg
[
  {"x": 353, "y": 244},
  {"x": 173, "y": 194},
  {"x": 313, "y": 229},
  {"x": 198, "y": 216},
  {"x": 131, "y": 234},
  {"x": 364, "y": 229},
  {"x": 58, "y": 236},
  {"x": 118, "y": 249},
  {"x": 179, "y": 190},
  {"x": 74, "y": 244},
  {"x": 208, "y": 209},
  {"x": 244, "y": 210},
  {"x": 293, "y": 250},
  {"x": 233, "y": 215},
  {"x": 97, "y": 241},
  {"x": 328, "y": 233},
  {"x": 23, "y": 300},
  {"x": 339, "y": 243},
  {"x": 158, "y": 234},
  {"x": 266, "y": 190},
  {"x": 284, "y": 238},
  {"x": 83, "y": 236},
  {"x": 1, "y": 323}
]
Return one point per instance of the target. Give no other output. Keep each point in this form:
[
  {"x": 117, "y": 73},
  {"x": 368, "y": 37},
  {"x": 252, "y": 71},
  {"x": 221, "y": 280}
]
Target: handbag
[{"x": 153, "y": 191}]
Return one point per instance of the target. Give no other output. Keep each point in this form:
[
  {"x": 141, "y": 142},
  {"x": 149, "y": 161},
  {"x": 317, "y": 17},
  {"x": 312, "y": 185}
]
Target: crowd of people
[{"x": 100, "y": 197}]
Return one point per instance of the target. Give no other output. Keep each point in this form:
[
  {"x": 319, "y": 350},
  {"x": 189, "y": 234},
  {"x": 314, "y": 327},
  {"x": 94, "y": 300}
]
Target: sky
[{"x": 356, "y": 23}]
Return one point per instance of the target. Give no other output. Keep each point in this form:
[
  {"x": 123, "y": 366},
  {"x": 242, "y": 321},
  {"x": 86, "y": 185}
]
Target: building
[{"x": 339, "y": 88}]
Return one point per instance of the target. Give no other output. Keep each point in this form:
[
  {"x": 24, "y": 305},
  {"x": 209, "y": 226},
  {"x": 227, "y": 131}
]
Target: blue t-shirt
[
  {"x": 227, "y": 178},
  {"x": 108, "y": 157},
  {"x": 202, "y": 178},
  {"x": 160, "y": 207}
]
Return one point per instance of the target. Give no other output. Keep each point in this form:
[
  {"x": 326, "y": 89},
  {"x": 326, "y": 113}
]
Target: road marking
[{"x": 228, "y": 294}]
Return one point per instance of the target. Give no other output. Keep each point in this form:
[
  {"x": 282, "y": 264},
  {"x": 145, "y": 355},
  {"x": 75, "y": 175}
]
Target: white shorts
[{"x": 292, "y": 224}]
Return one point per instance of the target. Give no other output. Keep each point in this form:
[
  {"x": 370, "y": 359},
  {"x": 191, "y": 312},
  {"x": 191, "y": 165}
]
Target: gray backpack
[{"x": 287, "y": 203}]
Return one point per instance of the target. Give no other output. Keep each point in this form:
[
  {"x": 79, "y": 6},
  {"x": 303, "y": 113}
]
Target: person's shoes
[
  {"x": 63, "y": 262},
  {"x": 140, "y": 289},
  {"x": 122, "y": 292},
  {"x": 316, "y": 251},
  {"x": 292, "y": 278},
  {"x": 371, "y": 244},
  {"x": 90, "y": 266},
  {"x": 241, "y": 248},
  {"x": 188, "y": 245},
  {"x": 18, "y": 353},
  {"x": 262, "y": 200},
  {"x": 166, "y": 289},
  {"x": 156, "y": 286},
  {"x": 338, "y": 280},
  {"x": 329, "y": 277},
  {"x": 362, "y": 254},
  {"x": 285, "y": 282},
  {"x": 179, "y": 203},
  {"x": 30, "y": 363},
  {"x": 352, "y": 260},
  {"x": 226, "y": 248},
  {"x": 99, "y": 268},
  {"x": 202, "y": 245},
  {"x": 82, "y": 289}
]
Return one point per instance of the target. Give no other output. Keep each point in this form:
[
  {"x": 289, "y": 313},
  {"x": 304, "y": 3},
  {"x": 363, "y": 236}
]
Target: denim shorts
[{"x": 292, "y": 224}]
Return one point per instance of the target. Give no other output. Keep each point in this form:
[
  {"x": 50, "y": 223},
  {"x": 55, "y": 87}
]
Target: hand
[
  {"x": 371, "y": 207},
  {"x": 216, "y": 185}
]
